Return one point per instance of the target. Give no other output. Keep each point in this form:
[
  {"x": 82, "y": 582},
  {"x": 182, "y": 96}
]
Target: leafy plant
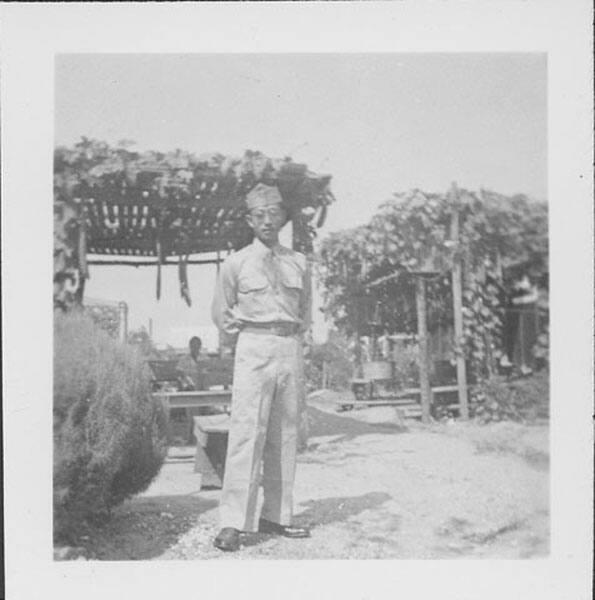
[
  {"x": 333, "y": 358},
  {"x": 109, "y": 434},
  {"x": 141, "y": 339},
  {"x": 499, "y": 399},
  {"x": 169, "y": 204},
  {"x": 541, "y": 350},
  {"x": 368, "y": 273},
  {"x": 405, "y": 364},
  {"x": 106, "y": 317}
]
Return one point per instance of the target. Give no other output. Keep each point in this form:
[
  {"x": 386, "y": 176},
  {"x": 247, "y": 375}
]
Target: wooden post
[
  {"x": 522, "y": 337},
  {"x": 422, "y": 333},
  {"x": 219, "y": 335},
  {"x": 80, "y": 291},
  {"x": 457, "y": 295},
  {"x": 490, "y": 363},
  {"x": 82, "y": 243},
  {"x": 299, "y": 243},
  {"x": 123, "y": 314},
  {"x": 81, "y": 253},
  {"x": 537, "y": 331}
]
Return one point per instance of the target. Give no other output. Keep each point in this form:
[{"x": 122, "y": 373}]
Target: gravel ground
[{"x": 369, "y": 488}]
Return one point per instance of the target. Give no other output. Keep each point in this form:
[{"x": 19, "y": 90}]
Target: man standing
[{"x": 262, "y": 300}]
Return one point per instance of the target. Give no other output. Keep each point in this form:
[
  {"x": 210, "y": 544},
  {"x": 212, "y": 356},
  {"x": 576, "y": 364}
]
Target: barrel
[{"x": 378, "y": 370}]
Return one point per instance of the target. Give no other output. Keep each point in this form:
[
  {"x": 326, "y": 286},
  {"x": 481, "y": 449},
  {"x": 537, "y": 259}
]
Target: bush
[
  {"x": 106, "y": 317},
  {"x": 498, "y": 399},
  {"x": 541, "y": 350},
  {"x": 406, "y": 369},
  {"x": 109, "y": 434},
  {"x": 338, "y": 365}
]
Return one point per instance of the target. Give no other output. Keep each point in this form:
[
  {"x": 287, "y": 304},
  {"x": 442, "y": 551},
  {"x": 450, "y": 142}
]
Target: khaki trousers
[{"x": 268, "y": 388}]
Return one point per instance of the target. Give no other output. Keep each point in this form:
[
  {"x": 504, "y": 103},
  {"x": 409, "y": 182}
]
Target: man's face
[
  {"x": 195, "y": 346},
  {"x": 266, "y": 222}
]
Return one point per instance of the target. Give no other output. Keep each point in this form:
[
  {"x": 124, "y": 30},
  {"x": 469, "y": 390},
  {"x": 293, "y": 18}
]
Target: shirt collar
[{"x": 261, "y": 248}]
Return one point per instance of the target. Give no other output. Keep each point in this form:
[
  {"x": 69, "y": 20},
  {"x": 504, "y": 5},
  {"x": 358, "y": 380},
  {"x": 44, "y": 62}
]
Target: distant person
[
  {"x": 191, "y": 367},
  {"x": 366, "y": 348},
  {"x": 384, "y": 347},
  {"x": 520, "y": 328}
]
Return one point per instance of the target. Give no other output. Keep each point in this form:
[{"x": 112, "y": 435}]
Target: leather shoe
[
  {"x": 228, "y": 540},
  {"x": 288, "y": 531}
]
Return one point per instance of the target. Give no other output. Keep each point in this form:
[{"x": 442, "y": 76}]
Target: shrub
[
  {"x": 406, "y": 369},
  {"x": 541, "y": 350},
  {"x": 106, "y": 317},
  {"x": 338, "y": 365},
  {"x": 141, "y": 340},
  {"x": 109, "y": 434},
  {"x": 498, "y": 399}
]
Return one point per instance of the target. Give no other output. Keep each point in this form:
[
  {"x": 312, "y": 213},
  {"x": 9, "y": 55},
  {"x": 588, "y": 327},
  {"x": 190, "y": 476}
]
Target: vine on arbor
[{"x": 413, "y": 231}]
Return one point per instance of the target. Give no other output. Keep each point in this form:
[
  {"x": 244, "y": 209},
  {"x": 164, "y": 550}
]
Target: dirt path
[{"x": 368, "y": 490}]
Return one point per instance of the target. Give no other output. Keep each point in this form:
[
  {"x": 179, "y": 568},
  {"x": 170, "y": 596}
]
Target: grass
[{"x": 529, "y": 442}]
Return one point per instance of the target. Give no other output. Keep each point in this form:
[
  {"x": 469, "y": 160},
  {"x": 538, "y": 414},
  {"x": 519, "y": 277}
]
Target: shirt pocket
[
  {"x": 252, "y": 281},
  {"x": 291, "y": 277}
]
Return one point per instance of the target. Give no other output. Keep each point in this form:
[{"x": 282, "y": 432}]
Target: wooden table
[{"x": 193, "y": 399}]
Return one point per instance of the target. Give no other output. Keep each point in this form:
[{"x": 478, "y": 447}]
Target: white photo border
[{"x": 33, "y": 34}]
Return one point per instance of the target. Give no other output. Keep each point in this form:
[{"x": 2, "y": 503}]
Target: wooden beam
[
  {"x": 219, "y": 332},
  {"x": 80, "y": 291},
  {"x": 457, "y": 295},
  {"x": 384, "y": 279},
  {"x": 82, "y": 248},
  {"x": 130, "y": 263},
  {"x": 422, "y": 332}
]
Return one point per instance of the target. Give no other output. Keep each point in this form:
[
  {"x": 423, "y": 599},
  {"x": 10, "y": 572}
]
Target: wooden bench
[
  {"x": 406, "y": 399},
  {"x": 211, "y": 432}
]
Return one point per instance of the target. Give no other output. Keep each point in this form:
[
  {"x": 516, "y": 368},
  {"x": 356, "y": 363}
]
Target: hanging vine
[
  {"x": 112, "y": 199},
  {"x": 372, "y": 264}
]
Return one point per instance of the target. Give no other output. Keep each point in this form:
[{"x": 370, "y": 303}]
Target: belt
[{"x": 279, "y": 329}]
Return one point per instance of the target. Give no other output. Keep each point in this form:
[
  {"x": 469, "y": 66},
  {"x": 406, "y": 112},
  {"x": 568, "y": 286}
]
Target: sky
[{"x": 378, "y": 123}]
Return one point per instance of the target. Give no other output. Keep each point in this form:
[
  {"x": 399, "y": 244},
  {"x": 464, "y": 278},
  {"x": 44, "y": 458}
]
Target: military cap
[{"x": 263, "y": 195}]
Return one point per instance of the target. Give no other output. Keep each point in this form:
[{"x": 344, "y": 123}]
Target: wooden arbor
[
  {"x": 116, "y": 203},
  {"x": 429, "y": 269},
  {"x": 430, "y": 266}
]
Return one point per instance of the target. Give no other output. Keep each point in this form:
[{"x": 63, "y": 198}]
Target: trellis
[
  {"x": 430, "y": 265},
  {"x": 142, "y": 207}
]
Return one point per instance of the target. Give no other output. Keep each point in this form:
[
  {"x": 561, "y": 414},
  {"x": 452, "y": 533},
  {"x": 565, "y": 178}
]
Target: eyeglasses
[{"x": 272, "y": 213}]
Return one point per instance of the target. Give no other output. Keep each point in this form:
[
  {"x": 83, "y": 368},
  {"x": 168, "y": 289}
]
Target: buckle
[
  {"x": 284, "y": 330},
  {"x": 280, "y": 329}
]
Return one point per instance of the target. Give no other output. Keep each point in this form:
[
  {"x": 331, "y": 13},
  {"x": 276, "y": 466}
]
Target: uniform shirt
[
  {"x": 194, "y": 370},
  {"x": 260, "y": 285}
]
